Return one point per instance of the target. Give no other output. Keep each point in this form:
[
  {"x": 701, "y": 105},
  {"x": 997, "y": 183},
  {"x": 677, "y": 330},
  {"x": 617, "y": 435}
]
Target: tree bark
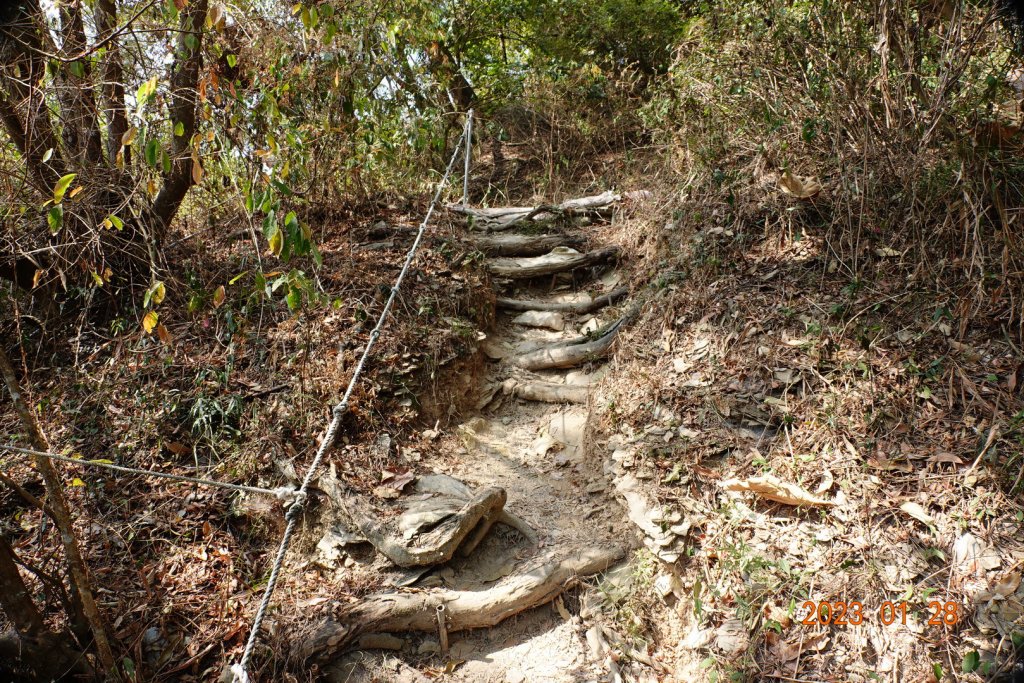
[
  {"x": 184, "y": 103},
  {"x": 113, "y": 82},
  {"x": 78, "y": 104},
  {"x": 32, "y": 645},
  {"x": 61, "y": 515},
  {"x": 24, "y": 111}
]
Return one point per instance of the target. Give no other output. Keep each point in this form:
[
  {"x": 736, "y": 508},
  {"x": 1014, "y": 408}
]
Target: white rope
[
  {"x": 285, "y": 493},
  {"x": 240, "y": 670}
]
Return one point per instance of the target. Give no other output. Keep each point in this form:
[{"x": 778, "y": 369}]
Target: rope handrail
[
  {"x": 240, "y": 670},
  {"x": 281, "y": 492}
]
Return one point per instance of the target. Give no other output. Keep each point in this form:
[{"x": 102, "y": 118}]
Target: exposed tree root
[
  {"x": 555, "y": 262},
  {"x": 417, "y": 611},
  {"x": 573, "y": 352},
  {"x": 547, "y": 392},
  {"x": 581, "y": 307},
  {"x": 503, "y": 218},
  {"x": 523, "y": 245}
]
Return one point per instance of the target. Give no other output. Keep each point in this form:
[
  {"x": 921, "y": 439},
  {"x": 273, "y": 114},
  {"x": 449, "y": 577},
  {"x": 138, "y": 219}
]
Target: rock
[
  {"x": 428, "y": 647},
  {"x": 549, "y": 319}
]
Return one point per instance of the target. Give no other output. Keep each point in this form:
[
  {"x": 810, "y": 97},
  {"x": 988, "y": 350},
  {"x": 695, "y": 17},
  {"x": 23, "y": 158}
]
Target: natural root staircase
[{"x": 458, "y": 517}]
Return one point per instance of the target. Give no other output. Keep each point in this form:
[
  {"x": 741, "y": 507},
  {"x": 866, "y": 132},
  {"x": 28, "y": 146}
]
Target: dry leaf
[
  {"x": 788, "y": 651},
  {"x": 917, "y": 512},
  {"x": 946, "y": 458},
  {"x": 771, "y": 487},
  {"x": 803, "y": 187},
  {"x": 218, "y": 296}
]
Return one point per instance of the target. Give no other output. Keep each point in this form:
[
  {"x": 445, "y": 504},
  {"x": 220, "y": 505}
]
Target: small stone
[{"x": 428, "y": 647}]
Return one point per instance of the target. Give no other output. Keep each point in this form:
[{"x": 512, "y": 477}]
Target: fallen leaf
[
  {"x": 802, "y": 187},
  {"x": 946, "y": 458},
  {"x": 917, "y": 512},
  {"x": 772, "y": 488}
]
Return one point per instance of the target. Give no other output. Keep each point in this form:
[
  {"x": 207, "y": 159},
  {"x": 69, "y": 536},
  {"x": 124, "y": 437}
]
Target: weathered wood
[
  {"x": 523, "y": 245},
  {"x": 503, "y": 218},
  {"x": 570, "y": 353},
  {"x": 570, "y": 307},
  {"x": 547, "y": 392},
  {"x": 555, "y": 262},
  {"x": 417, "y": 611}
]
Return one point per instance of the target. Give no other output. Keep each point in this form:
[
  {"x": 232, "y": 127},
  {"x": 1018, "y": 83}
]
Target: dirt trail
[{"x": 536, "y": 452}]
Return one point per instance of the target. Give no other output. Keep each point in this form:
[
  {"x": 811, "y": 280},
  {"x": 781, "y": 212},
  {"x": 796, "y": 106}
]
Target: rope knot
[
  {"x": 340, "y": 409},
  {"x": 298, "y": 504}
]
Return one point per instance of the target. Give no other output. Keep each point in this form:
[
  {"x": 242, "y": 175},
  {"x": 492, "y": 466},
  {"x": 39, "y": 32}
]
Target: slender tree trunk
[
  {"x": 113, "y": 82},
  {"x": 184, "y": 102},
  {"x": 62, "y": 515}
]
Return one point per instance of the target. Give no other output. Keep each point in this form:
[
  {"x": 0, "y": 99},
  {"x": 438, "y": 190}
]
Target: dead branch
[
  {"x": 417, "y": 611},
  {"x": 555, "y": 262}
]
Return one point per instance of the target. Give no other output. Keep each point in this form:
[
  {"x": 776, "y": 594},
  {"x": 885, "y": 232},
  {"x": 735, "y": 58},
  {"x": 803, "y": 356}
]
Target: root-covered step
[
  {"x": 523, "y": 245},
  {"x": 559, "y": 260},
  {"x": 587, "y": 306}
]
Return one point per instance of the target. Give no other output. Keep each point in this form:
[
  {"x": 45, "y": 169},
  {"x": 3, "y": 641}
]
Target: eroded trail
[{"x": 557, "y": 320}]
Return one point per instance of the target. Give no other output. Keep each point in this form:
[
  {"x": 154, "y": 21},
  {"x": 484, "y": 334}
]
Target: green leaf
[
  {"x": 62, "y": 186},
  {"x": 116, "y": 222},
  {"x": 937, "y": 671},
  {"x": 318, "y": 258},
  {"x": 77, "y": 69},
  {"x": 145, "y": 92},
  {"x": 971, "y": 661},
  {"x": 152, "y": 150},
  {"x": 165, "y": 161},
  {"x": 294, "y": 299},
  {"x": 232, "y": 61},
  {"x": 238, "y": 277},
  {"x": 55, "y": 218},
  {"x": 47, "y": 154},
  {"x": 77, "y": 482},
  {"x": 276, "y": 241},
  {"x": 179, "y": 129}
]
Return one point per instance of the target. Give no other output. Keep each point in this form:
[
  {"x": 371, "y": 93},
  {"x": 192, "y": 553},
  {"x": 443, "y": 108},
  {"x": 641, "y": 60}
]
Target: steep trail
[{"x": 537, "y": 452}]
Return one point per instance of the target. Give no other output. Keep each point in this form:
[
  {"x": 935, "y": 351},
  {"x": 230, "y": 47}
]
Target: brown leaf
[
  {"x": 772, "y": 488},
  {"x": 802, "y": 187},
  {"x": 917, "y": 512}
]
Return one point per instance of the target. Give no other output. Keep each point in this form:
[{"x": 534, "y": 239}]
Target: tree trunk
[
  {"x": 184, "y": 102},
  {"x": 32, "y": 645},
  {"x": 61, "y": 515}
]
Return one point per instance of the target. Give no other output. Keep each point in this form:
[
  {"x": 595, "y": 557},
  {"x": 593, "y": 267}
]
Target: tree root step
[
  {"x": 569, "y": 307},
  {"x": 549, "y": 264},
  {"x": 467, "y": 609}
]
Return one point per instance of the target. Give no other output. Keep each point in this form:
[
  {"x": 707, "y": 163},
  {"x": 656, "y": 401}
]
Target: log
[
  {"x": 547, "y": 392},
  {"x": 558, "y": 261},
  {"x": 573, "y": 352},
  {"x": 417, "y": 611},
  {"x": 523, "y": 245},
  {"x": 570, "y": 307}
]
